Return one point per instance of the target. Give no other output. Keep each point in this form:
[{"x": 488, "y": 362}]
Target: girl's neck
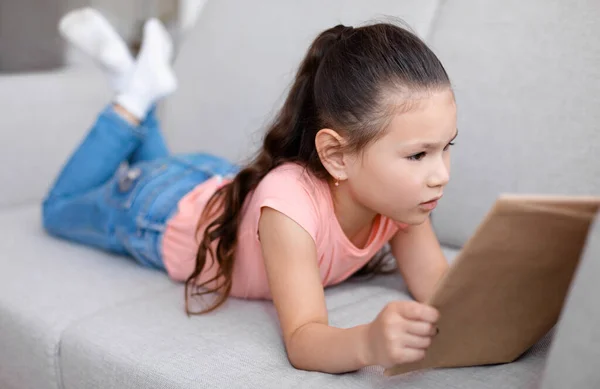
[{"x": 356, "y": 221}]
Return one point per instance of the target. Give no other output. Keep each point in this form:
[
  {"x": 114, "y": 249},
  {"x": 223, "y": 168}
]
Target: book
[{"x": 506, "y": 288}]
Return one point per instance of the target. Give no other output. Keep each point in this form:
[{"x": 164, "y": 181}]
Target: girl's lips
[{"x": 429, "y": 205}]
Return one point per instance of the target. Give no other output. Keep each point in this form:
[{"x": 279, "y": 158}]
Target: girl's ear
[{"x": 330, "y": 147}]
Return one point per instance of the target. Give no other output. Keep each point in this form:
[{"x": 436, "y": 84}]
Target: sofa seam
[
  {"x": 57, "y": 355},
  {"x": 434, "y": 19}
]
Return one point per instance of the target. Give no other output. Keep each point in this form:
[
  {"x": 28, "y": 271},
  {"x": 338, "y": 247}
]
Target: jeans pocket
[{"x": 128, "y": 181}]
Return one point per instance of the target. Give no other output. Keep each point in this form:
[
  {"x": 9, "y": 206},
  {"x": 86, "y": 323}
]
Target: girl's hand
[{"x": 401, "y": 333}]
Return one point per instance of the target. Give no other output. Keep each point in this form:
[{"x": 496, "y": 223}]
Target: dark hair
[{"x": 349, "y": 81}]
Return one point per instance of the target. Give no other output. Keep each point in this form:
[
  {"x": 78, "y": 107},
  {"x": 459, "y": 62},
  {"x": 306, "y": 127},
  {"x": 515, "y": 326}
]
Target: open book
[{"x": 506, "y": 288}]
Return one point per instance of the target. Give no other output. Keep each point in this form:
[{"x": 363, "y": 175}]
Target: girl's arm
[
  {"x": 291, "y": 263},
  {"x": 420, "y": 259},
  {"x": 399, "y": 334}
]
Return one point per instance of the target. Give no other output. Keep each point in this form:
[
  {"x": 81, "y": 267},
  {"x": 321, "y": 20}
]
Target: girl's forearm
[{"x": 319, "y": 347}]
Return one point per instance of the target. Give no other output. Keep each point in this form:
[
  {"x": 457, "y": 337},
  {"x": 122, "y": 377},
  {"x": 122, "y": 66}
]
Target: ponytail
[{"x": 290, "y": 138}]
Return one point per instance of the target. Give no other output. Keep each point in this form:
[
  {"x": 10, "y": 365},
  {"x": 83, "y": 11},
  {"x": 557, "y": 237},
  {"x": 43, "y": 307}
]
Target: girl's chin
[{"x": 414, "y": 219}]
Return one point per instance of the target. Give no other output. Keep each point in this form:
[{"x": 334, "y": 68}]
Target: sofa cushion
[
  {"x": 526, "y": 77},
  {"x": 76, "y": 317},
  {"x": 149, "y": 342},
  {"x": 46, "y": 285}
]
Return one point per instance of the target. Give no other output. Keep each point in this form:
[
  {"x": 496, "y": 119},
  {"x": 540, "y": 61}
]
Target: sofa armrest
[{"x": 573, "y": 358}]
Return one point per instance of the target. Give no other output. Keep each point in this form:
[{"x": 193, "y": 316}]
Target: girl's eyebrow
[{"x": 430, "y": 146}]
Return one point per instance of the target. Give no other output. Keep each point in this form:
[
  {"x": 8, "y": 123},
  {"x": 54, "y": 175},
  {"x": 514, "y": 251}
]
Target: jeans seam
[
  {"x": 140, "y": 256},
  {"x": 148, "y": 177},
  {"x": 209, "y": 168},
  {"x": 141, "y": 217},
  {"x": 150, "y": 244}
]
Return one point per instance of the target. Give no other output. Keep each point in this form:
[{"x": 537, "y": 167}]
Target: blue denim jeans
[{"x": 121, "y": 186}]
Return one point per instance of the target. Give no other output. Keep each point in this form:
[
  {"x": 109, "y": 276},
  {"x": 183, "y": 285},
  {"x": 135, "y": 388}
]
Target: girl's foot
[
  {"x": 152, "y": 77},
  {"x": 90, "y": 32}
]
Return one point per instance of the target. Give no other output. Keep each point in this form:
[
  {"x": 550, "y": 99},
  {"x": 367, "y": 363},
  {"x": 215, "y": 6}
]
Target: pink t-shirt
[{"x": 296, "y": 193}]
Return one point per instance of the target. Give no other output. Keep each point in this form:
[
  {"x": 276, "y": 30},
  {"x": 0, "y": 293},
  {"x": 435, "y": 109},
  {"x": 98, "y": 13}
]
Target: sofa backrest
[
  {"x": 232, "y": 69},
  {"x": 525, "y": 76},
  {"x": 573, "y": 357},
  {"x": 237, "y": 64},
  {"x": 43, "y": 116}
]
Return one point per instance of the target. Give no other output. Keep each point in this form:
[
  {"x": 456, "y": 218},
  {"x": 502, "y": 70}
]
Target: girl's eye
[
  {"x": 417, "y": 157},
  {"x": 448, "y": 146}
]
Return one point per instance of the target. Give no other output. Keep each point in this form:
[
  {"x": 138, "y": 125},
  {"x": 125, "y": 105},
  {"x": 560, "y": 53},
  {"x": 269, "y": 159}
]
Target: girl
[{"x": 358, "y": 156}]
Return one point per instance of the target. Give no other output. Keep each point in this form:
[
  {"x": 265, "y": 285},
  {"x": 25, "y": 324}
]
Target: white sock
[
  {"x": 152, "y": 77},
  {"x": 90, "y": 32}
]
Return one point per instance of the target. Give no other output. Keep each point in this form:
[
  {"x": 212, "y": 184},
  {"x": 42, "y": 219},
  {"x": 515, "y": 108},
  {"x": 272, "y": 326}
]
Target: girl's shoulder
[
  {"x": 292, "y": 178},
  {"x": 293, "y": 191}
]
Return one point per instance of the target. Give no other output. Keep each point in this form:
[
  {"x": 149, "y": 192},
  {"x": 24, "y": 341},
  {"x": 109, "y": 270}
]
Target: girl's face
[{"x": 402, "y": 174}]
